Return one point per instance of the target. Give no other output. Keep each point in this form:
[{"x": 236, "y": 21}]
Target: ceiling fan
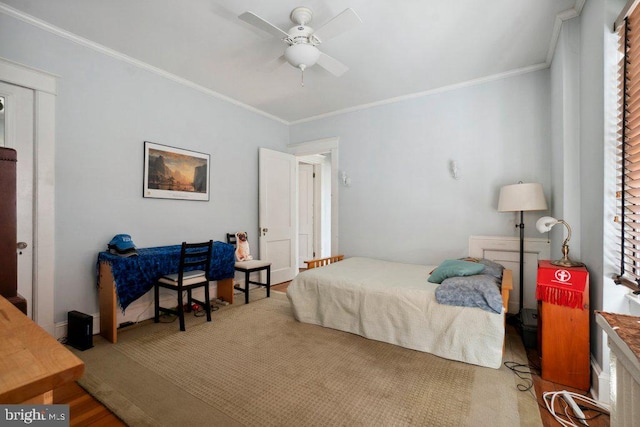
[{"x": 303, "y": 41}]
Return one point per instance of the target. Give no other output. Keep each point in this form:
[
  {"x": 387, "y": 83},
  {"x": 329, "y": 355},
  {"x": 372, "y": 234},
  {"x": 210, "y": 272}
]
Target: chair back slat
[{"x": 195, "y": 256}]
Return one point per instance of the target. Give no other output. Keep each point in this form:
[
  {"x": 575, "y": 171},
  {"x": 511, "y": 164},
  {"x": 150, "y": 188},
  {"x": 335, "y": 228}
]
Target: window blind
[{"x": 629, "y": 151}]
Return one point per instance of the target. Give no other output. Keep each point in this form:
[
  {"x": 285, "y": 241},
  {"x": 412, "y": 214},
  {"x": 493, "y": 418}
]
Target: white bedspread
[{"x": 394, "y": 303}]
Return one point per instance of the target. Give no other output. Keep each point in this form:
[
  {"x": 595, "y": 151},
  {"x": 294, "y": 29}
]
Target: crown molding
[
  {"x": 10, "y": 11},
  {"x": 468, "y": 83},
  {"x": 555, "y": 35},
  {"x": 560, "y": 18}
]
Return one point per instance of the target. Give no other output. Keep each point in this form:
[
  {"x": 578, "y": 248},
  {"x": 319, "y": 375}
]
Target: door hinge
[{"x": 314, "y": 174}]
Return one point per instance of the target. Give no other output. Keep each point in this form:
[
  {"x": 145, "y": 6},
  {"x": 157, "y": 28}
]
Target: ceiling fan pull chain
[{"x": 302, "y": 67}]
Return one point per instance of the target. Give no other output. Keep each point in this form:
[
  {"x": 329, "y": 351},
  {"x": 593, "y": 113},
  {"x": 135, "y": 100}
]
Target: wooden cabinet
[
  {"x": 563, "y": 295},
  {"x": 32, "y": 362}
]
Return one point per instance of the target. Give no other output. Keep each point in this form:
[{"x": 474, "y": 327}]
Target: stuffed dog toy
[{"x": 243, "y": 252}]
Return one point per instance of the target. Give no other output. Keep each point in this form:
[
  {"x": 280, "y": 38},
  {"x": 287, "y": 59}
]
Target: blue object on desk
[{"x": 136, "y": 275}]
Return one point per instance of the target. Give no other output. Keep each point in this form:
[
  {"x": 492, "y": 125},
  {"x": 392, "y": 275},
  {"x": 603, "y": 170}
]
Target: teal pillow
[{"x": 454, "y": 268}]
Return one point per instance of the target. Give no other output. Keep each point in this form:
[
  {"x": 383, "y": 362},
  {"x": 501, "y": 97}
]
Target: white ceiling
[{"x": 401, "y": 49}]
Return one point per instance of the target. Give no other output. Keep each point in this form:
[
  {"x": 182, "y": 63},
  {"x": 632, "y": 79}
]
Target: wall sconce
[
  {"x": 544, "y": 225},
  {"x": 453, "y": 168},
  {"x": 346, "y": 181}
]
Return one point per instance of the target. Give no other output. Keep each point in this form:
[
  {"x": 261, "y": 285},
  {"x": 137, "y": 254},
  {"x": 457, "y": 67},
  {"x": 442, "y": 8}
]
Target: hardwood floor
[
  {"x": 280, "y": 287},
  {"x": 86, "y": 411},
  {"x": 542, "y": 386}
]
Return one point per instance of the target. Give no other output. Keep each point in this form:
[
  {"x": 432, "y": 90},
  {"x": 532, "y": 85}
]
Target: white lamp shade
[
  {"x": 522, "y": 197},
  {"x": 302, "y": 54},
  {"x": 546, "y": 223}
]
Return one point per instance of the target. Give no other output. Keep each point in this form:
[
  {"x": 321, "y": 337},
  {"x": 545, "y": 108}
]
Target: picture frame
[{"x": 175, "y": 173}]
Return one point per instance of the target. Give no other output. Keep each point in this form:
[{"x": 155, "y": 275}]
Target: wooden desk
[
  {"x": 109, "y": 302},
  {"x": 32, "y": 362}
]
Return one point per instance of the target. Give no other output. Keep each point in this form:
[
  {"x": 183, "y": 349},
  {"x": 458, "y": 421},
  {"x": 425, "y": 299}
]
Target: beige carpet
[{"x": 255, "y": 365}]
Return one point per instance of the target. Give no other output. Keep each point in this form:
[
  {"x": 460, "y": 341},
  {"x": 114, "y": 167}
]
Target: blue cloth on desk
[{"x": 136, "y": 275}]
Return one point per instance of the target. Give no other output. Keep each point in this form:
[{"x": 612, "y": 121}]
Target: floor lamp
[{"x": 519, "y": 198}]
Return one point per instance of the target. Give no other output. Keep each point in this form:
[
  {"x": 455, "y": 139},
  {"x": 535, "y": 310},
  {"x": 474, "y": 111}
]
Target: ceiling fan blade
[
  {"x": 256, "y": 21},
  {"x": 273, "y": 64},
  {"x": 332, "y": 65},
  {"x": 340, "y": 23}
]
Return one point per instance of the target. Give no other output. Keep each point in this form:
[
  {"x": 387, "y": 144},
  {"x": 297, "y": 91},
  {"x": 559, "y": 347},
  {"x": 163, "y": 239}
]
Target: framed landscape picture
[{"x": 175, "y": 173}]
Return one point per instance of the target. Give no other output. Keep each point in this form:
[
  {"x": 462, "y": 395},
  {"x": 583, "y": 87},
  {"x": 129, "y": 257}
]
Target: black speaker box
[{"x": 79, "y": 330}]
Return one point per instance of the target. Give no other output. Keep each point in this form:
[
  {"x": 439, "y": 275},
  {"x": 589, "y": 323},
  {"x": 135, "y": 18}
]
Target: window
[{"x": 629, "y": 151}]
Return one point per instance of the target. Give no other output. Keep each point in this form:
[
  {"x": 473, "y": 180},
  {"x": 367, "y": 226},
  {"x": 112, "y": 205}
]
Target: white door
[
  {"x": 18, "y": 134},
  {"x": 277, "y": 211},
  {"x": 306, "y": 211}
]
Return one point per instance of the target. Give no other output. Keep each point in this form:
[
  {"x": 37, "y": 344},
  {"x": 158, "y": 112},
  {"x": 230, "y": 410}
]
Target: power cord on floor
[
  {"x": 571, "y": 402},
  {"x": 526, "y": 372},
  {"x": 573, "y": 411},
  {"x": 197, "y": 312},
  {"x": 200, "y": 311},
  {"x": 523, "y": 372}
]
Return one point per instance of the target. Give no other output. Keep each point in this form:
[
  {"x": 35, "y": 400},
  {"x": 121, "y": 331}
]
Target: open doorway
[
  {"x": 314, "y": 207},
  {"x": 319, "y": 201},
  {"x": 43, "y": 86}
]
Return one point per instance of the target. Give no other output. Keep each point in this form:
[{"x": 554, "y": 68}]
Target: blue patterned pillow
[
  {"x": 492, "y": 268},
  {"x": 480, "y": 291}
]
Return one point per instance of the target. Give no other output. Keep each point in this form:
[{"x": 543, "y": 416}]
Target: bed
[{"x": 394, "y": 303}]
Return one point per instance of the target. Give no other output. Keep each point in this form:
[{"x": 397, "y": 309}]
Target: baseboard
[{"x": 599, "y": 383}]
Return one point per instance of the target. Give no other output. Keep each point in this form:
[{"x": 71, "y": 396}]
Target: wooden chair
[
  {"x": 248, "y": 267},
  {"x": 193, "y": 272}
]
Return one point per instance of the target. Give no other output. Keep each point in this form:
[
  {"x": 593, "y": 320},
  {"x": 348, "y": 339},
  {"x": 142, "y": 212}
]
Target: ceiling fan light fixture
[
  {"x": 302, "y": 40},
  {"x": 302, "y": 54}
]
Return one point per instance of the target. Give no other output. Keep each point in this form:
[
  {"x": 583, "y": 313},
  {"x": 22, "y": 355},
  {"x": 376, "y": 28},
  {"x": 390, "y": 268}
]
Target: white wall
[
  {"x": 403, "y": 203},
  {"x": 106, "y": 108},
  {"x": 565, "y": 137}
]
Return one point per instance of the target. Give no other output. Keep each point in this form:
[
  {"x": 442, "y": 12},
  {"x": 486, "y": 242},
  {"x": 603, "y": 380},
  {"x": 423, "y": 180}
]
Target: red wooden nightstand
[{"x": 563, "y": 299}]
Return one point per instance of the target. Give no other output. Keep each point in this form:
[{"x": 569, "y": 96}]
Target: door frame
[
  {"x": 322, "y": 146},
  {"x": 319, "y": 245},
  {"x": 44, "y": 86},
  {"x": 19, "y": 112},
  {"x": 300, "y": 162}
]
